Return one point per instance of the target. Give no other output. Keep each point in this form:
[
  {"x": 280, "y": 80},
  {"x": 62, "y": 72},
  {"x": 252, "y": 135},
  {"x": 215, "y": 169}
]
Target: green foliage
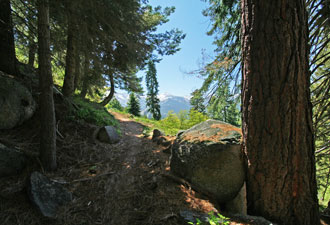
[
  {"x": 321, "y": 119},
  {"x": 115, "y": 104},
  {"x": 224, "y": 106},
  {"x": 197, "y": 101},
  {"x": 93, "y": 113},
  {"x": 195, "y": 117},
  {"x": 226, "y": 25},
  {"x": 213, "y": 220},
  {"x": 133, "y": 106},
  {"x": 152, "y": 91},
  {"x": 115, "y": 38},
  {"x": 173, "y": 122}
]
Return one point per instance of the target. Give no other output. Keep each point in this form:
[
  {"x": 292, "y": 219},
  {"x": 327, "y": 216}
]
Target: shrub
[{"x": 93, "y": 113}]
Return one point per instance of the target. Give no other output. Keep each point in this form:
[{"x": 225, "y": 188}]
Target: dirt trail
[
  {"x": 116, "y": 184},
  {"x": 143, "y": 195},
  {"x": 121, "y": 184}
]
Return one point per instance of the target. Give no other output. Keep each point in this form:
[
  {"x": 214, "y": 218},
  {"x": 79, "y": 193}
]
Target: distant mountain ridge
[{"x": 167, "y": 102}]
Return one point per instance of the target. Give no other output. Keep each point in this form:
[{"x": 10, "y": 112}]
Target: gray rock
[
  {"x": 47, "y": 195},
  {"x": 167, "y": 150},
  {"x": 238, "y": 204},
  {"x": 108, "y": 134},
  {"x": 192, "y": 216},
  {"x": 16, "y": 102},
  {"x": 163, "y": 141},
  {"x": 179, "y": 133},
  {"x": 156, "y": 134},
  {"x": 12, "y": 162},
  {"x": 257, "y": 220},
  {"x": 209, "y": 156}
]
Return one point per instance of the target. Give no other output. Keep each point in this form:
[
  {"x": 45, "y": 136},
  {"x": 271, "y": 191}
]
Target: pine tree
[
  {"x": 133, "y": 105},
  {"x": 197, "y": 101},
  {"x": 7, "y": 46},
  {"x": 224, "y": 106},
  {"x": 277, "y": 114},
  {"x": 47, "y": 111},
  {"x": 152, "y": 88}
]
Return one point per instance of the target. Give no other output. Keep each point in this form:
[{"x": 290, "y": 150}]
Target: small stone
[{"x": 108, "y": 134}]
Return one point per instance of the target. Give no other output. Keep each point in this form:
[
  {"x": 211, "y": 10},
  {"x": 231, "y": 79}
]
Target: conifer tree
[
  {"x": 48, "y": 122},
  {"x": 7, "y": 46},
  {"x": 133, "y": 105},
  {"x": 277, "y": 126},
  {"x": 197, "y": 101},
  {"x": 152, "y": 88}
]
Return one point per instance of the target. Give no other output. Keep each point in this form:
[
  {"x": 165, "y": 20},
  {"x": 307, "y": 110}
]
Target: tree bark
[
  {"x": 107, "y": 99},
  {"x": 68, "y": 85},
  {"x": 277, "y": 115},
  {"x": 32, "y": 43},
  {"x": 47, "y": 112},
  {"x": 32, "y": 52},
  {"x": 7, "y": 45},
  {"x": 86, "y": 76},
  {"x": 77, "y": 70}
]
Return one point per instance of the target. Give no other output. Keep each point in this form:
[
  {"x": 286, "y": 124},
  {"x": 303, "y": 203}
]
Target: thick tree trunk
[
  {"x": 107, "y": 99},
  {"x": 277, "y": 116},
  {"x": 68, "y": 85},
  {"x": 77, "y": 71},
  {"x": 47, "y": 112},
  {"x": 85, "y": 84},
  {"x": 7, "y": 45},
  {"x": 32, "y": 43},
  {"x": 32, "y": 52}
]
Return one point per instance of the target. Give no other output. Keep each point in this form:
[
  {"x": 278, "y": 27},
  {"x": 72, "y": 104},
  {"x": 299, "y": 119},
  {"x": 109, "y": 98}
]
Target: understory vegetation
[
  {"x": 170, "y": 125},
  {"x": 92, "y": 113}
]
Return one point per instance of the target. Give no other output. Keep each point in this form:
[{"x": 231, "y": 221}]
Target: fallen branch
[{"x": 91, "y": 178}]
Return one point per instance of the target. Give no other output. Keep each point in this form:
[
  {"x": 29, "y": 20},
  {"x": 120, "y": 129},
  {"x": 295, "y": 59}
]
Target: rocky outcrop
[
  {"x": 16, "y": 102},
  {"x": 47, "y": 195},
  {"x": 12, "y": 162},
  {"x": 108, "y": 134},
  {"x": 209, "y": 156}
]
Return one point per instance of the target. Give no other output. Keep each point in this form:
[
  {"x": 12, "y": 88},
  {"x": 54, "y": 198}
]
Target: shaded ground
[{"x": 117, "y": 184}]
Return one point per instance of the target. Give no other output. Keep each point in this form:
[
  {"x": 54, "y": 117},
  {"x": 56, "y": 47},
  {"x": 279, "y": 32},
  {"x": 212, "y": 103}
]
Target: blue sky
[{"x": 171, "y": 71}]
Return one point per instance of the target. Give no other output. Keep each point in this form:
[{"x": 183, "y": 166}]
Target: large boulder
[
  {"x": 108, "y": 134},
  {"x": 12, "y": 162},
  {"x": 16, "y": 102},
  {"x": 209, "y": 156},
  {"x": 47, "y": 195}
]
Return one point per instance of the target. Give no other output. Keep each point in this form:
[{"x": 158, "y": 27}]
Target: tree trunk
[
  {"x": 86, "y": 76},
  {"x": 32, "y": 52},
  {"x": 32, "y": 43},
  {"x": 7, "y": 45},
  {"x": 107, "y": 99},
  {"x": 47, "y": 112},
  {"x": 68, "y": 85},
  {"x": 77, "y": 70},
  {"x": 277, "y": 116}
]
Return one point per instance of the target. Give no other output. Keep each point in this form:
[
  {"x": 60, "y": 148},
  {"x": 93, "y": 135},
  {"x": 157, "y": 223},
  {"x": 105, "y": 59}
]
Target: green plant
[
  {"x": 92, "y": 113},
  {"x": 213, "y": 220}
]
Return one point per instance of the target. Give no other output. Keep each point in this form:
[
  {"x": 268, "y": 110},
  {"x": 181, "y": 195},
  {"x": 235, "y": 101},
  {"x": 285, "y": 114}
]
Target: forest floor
[{"x": 120, "y": 184}]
